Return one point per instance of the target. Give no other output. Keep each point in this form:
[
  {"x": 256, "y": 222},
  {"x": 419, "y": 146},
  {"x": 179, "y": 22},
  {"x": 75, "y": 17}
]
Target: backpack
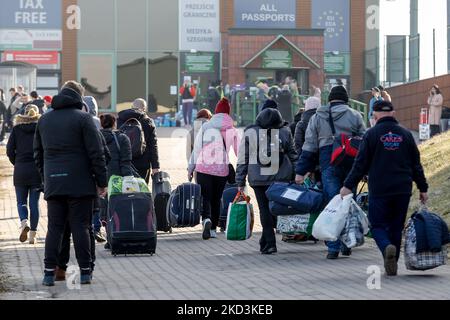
[
  {"x": 132, "y": 128},
  {"x": 345, "y": 148}
]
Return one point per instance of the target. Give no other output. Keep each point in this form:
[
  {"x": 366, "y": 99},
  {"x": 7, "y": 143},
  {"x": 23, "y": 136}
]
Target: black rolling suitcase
[
  {"x": 161, "y": 191},
  {"x": 131, "y": 224},
  {"x": 228, "y": 196},
  {"x": 185, "y": 205}
]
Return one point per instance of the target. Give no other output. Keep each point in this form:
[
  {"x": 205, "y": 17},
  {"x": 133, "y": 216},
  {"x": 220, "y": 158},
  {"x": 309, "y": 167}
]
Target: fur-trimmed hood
[{"x": 23, "y": 119}]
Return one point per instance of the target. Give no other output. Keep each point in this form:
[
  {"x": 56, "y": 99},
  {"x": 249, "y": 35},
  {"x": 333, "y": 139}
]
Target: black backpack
[{"x": 132, "y": 128}]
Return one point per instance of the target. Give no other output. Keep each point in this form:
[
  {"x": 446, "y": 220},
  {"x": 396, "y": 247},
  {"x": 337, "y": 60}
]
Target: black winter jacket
[
  {"x": 300, "y": 129},
  {"x": 68, "y": 149},
  {"x": 431, "y": 232},
  {"x": 120, "y": 164},
  {"x": 150, "y": 158},
  {"x": 297, "y": 119},
  {"x": 250, "y": 163},
  {"x": 20, "y": 152},
  {"x": 389, "y": 154}
]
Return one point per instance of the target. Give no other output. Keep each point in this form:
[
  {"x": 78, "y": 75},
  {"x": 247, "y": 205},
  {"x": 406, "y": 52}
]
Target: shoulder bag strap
[
  {"x": 331, "y": 122},
  {"x": 135, "y": 172}
]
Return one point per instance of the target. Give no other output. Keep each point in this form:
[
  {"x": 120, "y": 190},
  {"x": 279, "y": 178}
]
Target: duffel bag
[
  {"x": 421, "y": 261},
  {"x": 303, "y": 199},
  {"x": 297, "y": 224}
]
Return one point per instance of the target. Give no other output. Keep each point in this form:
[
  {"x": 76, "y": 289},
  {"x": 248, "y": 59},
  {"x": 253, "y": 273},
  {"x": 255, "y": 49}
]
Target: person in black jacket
[
  {"x": 70, "y": 157},
  {"x": 119, "y": 147},
  {"x": 390, "y": 156},
  {"x": 269, "y": 125},
  {"x": 150, "y": 158},
  {"x": 311, "y": 106},
  {"x": 27, "y": 180}
]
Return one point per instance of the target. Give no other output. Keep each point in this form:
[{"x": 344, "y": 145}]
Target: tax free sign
[{"x": 30, "y": 14}]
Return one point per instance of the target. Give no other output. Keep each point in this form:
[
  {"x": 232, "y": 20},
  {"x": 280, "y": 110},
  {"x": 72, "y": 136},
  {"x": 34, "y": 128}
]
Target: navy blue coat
[{"x": 431, "y": 232}]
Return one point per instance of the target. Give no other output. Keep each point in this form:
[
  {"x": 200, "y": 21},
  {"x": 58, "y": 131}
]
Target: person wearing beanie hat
[
  {"x": 391, "y": 158},
  {"x": 73, "y": 178},
  {"x": 211, "y": 163},
  {"x": 27, "y": 180},
  {"x": 319, "y": 141},
  {"x": 311, "y": 106},
  {"x": 338, "y": 93},
  {"x": 269, "y": 104},
  {"x": 223, "y": 106}
]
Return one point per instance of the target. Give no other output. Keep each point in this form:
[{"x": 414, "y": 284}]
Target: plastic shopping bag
[
  {"x": 240, "y": 218},
  {"x": 332, "y": 220},
  {"x": 356, "y": 227}
]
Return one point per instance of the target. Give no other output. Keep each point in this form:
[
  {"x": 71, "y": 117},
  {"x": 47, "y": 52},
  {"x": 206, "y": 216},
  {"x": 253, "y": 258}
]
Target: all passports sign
[{"x": 275, "y": 14}]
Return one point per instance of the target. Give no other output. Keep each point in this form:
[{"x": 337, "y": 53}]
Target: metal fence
[{"x": 246, "y": 106}]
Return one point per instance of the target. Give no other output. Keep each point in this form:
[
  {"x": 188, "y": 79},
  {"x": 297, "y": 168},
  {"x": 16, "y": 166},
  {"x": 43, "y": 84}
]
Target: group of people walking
[
  {"x": 269, "y": 153},
  {"x": 69, "y": 154}
]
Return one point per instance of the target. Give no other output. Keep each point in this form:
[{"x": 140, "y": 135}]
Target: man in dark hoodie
[
  {"x": 269, "y": 131},
  {"x": 150, "y": 158},
  {"x": 70, "y": 157},
  {"x": 390, "y": 156},
  {"x": 319, "y": 140}
]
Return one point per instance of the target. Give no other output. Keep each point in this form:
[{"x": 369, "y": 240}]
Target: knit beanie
[
  {"x": 223, "y": 106},
  {"x": 312, "y": 103},
  {"x": 338, "y": 93},
  {"x": 270, "y": 104}
]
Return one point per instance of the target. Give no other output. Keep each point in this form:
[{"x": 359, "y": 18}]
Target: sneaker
[
  {"x": 390, "y": 260},
  {"x": 207, "y": 229},
  {"x": 332, "y": 255},
  {"x": 213, "y": 234},
  {"x": 24, "y": 229},
  {"x": 49, "y": 279},
  {"x": 107, "y": 246},
  {"x": 32, "y": 237},
  {"x": 86, "y": 278},
  {"x": 60, "y": 274},
  {"x": 99, "y": 237}
]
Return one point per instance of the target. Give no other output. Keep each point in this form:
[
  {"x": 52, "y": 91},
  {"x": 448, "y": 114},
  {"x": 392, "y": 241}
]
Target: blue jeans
[
  {"x": 97, "y": 224},
  {"x": 187, "y": 112},
  {"x": 333, "y": 181},
  {"x": 387, "y": 217},
  {"x": 24, "y": 196}
]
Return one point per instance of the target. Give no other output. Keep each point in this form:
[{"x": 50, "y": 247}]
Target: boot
[
  {"x": 24, "y": 229},
  {"x": 32, "y": 237}
]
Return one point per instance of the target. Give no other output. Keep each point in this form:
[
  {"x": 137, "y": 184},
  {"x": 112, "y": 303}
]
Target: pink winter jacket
[{"x": 209, "y": 155}]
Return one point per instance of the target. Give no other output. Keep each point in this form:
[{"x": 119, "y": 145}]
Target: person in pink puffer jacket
[{"x": 210, "y": 160}]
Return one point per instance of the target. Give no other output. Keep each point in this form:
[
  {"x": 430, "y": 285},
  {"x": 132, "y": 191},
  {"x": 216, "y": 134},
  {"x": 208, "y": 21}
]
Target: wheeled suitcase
[
  {"x": 184, "y": 207},
  {"x": 161, "y": 193},
  {"x": 229, "y": 194},
  {"x": 131, "y": 224}
]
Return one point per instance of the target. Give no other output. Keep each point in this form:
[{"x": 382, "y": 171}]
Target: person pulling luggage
[{"x": 390, "y": 156}]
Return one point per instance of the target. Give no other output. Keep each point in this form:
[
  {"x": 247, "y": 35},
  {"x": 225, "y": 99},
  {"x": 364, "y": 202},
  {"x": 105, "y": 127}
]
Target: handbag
[
  {"x": 240, "y": 218},
  {"x": 345, "y": 148}
]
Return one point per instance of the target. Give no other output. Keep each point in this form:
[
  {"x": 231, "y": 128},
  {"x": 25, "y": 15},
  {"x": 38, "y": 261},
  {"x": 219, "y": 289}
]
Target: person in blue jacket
[{"x": 389, "y": 155}]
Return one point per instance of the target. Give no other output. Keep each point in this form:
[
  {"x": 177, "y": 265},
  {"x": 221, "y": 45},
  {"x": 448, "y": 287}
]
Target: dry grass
[{"x": 435, "y": 156}]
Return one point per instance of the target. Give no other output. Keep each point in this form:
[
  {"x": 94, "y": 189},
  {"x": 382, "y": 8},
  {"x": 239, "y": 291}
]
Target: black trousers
[
  {"x": 212, "y": 191},
  {"x": 267, "y": 219},
  {"x": 77, "y": 212},
  {"x": 64, "y": 251},
  {"x": 144, "y": 173}
]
